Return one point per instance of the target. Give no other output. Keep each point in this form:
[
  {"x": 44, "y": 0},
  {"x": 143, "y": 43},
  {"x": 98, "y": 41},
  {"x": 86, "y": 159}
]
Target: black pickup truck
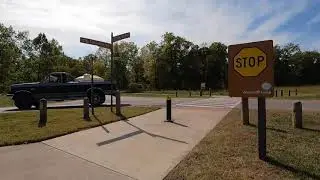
[{"x": 58, "y": 86}]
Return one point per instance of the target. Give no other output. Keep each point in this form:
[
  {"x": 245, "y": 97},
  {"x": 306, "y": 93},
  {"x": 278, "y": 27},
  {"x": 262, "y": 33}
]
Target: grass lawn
[
  {"x": 172, "y": 93},
  {"x": 22, "y": 127},
  {"x": 304, "y": 92},
  {"x": 5, "y": 101},
  {"x": 230, "y": 150}
]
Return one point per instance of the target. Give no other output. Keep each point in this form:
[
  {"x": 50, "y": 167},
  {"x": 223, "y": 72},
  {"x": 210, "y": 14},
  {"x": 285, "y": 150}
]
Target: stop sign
[{"x": 250, "y": 62}]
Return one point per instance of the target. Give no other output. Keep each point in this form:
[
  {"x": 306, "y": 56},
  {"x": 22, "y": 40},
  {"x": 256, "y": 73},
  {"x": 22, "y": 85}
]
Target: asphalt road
[
  {"x": 125, "y": 100},
  {"x": 215, "y": 102}
]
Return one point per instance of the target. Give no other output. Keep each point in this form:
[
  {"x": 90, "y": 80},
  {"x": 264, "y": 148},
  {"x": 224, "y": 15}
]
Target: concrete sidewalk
[{"x": 143, "y": 147}]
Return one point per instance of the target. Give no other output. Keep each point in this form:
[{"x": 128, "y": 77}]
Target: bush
[{"x": 135, "y": 88}]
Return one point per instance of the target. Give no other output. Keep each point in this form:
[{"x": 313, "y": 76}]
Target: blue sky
[{"x": 227, "y": 21}]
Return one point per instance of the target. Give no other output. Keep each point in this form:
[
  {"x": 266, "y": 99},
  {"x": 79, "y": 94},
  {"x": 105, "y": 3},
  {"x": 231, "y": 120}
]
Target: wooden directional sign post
[
  {"x": 250, "y": 74},
  {"x": 100, "y": 44},
  {"x": 108, "y": 46},
  {"x": 113, "y": 40}
]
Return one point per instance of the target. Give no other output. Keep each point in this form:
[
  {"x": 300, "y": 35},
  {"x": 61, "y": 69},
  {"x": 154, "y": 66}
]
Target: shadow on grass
[
  {"x": 66, "y": 107},
  {"x": 269, "y": 128},
  {"x": 274, "y": 162},
  {"x": 101, "y": 124},
  {"x": 139, "y": 131},
  {"x": 309, "y": 129}
]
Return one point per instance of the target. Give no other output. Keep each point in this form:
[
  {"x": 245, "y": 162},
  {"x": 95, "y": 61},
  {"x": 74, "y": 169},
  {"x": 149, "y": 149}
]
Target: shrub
[{"x": 135, "y": 88}]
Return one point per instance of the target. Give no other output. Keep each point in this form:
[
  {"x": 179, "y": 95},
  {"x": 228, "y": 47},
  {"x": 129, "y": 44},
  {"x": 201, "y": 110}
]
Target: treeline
[{"x": 173, "y": 63}]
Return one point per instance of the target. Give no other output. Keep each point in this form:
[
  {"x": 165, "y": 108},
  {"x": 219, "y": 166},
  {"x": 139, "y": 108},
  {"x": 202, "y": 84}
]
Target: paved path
[{"x": 145, "y": 147}]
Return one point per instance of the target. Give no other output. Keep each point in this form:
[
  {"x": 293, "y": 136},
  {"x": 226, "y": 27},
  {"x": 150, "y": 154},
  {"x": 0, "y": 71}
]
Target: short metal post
[
  {"x": 289, "y": 93},
  {"x": 86, "y": 108},
  {"x": 276, "y": 93},
  {"x": 297, "y": 115},
  {"x": 176, "y": 93},
  {"x": 281, "y": 92},
  {"x": 296, "y": 92},
  {"x": 262, "y": 139},
  {"x": 210, "y": 92},
  {"x": 200, "y": 92},
  {"x": 43, "y": 113},
  {"x": 168, "y": 108},
  {"x": 245, "y": 111},
  {"x": 190, "y": 93},
  {"x": 118, "y": 103}
]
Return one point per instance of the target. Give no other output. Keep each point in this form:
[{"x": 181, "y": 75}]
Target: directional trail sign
[
  {"x": 250, "y": 72},
  {"x": 95, "y": 42},
  {"x": 121, "y": 36}
]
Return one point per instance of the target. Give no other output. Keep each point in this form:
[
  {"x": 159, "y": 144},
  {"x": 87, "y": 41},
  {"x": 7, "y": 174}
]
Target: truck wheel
[
  {"x": 98, "y": 97},
  {"x": 23, "y": 101}
]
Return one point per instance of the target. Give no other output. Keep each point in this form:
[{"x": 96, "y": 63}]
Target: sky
[{"x": 201, "y": 21}]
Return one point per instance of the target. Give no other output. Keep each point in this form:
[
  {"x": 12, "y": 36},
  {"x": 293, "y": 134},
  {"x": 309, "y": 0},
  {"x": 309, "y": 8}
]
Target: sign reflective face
[
  {"x": 250, "y": 72},
  {"x": 250, "y": 62}
]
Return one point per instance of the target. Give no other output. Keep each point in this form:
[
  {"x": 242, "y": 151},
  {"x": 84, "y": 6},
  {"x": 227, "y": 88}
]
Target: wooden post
[
  {"x": 86, "y": 108},
  {"x": 297, "y": 115},
  {"x": 245, "y": 111},
  {"x": 118, "y": 103},
  {"x": 262, "y": 140},
  {"x": 43, "y": 113}
]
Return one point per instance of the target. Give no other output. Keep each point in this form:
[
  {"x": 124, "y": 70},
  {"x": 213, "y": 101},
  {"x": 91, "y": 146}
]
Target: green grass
[
  {"x": 5, "y": 101},
  {"x": 229, "y": 151},
  {"x": 22, "y": 127},
  {"x": 304, "y": 92},
  {"x": 172, "y": 93}
]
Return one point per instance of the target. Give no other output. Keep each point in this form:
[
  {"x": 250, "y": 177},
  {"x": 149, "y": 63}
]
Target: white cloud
[{"x": 199, "y": 21}]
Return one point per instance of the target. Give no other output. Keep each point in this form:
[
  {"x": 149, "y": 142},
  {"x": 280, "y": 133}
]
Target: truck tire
[
  {"x": 98, "y": 97},
  {"x": 23, "y": 100}
]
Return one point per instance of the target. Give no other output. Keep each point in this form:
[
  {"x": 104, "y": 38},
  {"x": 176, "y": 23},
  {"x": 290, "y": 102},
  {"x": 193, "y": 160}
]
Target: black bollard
[
  {"x": 281, "y": 92},
  {"x": 296, "y": 92},
  {"x": 289, "y": 93},
  {"x": 189, "y": 93},
  {"x": 276, "y": 93},
  {"x": 200, "y": 92},
  {"x": 118, "y": 103},
  {"x": 86, "y": 108},
  {"x": 210, "y": 92},
  {"x": 168, "y": 108},
  {"x": 176, "y": 93},
  {"x": 43, "y": 113}
]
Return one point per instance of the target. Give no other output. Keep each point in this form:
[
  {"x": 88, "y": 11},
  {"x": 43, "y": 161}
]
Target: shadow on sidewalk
[{"x": 139, "y": 131}]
